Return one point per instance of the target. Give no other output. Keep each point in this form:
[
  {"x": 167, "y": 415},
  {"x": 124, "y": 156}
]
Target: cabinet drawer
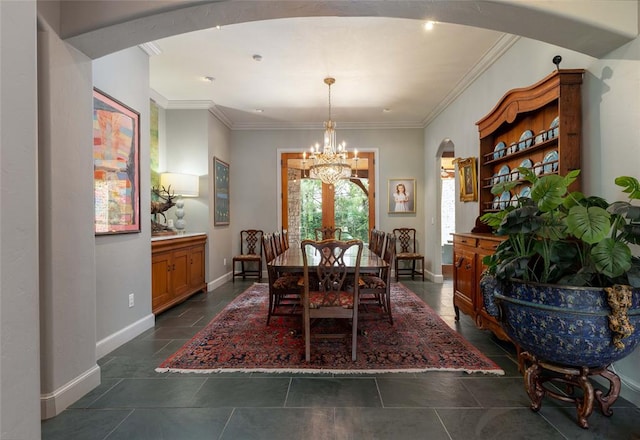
[
  {"x": 489, "y": 245},
  {"x": 467, "y": 241}
]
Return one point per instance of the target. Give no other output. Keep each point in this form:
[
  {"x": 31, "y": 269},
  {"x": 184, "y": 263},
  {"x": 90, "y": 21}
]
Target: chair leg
[
  {"x": 422, "y": 267},
  {"x": 307, "y": 336},
  {"x": 354, "y": 331}
]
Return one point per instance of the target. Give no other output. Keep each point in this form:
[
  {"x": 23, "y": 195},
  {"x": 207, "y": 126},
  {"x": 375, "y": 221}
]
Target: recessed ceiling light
[
  {"x": 386, "y": 110},
  {"x": 258, "y": 110},
  {"x": 257, "y": 57},
  {"x": 429, "y": 25},
  {"x": 218, "y": 27},
  {"x": 208, "y": 79}
]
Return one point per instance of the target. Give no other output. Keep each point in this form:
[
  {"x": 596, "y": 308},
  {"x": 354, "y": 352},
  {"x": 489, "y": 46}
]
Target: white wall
[
  {"x": 67, "y": 247},
  {"x": 187, "y": 152},
  {"x": 19, "y": 329},
  {"x": 123, "y": 261},
  {"x": 255, "y": 167}
]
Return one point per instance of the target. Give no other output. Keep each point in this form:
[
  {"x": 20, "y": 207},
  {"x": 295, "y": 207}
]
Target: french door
[{"x": 308, "y": 203}]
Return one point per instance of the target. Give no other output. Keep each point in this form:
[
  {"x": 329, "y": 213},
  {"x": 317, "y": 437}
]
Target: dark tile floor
[{"x": 136, "y": 403}]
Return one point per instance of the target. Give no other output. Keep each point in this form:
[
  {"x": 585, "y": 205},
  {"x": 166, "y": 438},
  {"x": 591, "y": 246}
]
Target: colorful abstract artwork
[{"x": 116, "y": 138}]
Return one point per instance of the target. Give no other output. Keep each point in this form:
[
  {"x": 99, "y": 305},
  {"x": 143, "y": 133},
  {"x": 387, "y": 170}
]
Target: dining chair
[
  {"x": 277, "y": 243},
  {"x": 285, "y": 239},
  {"x": 250, "y": 257},
  {"x": 327, "y": 232},
  {"x": 330, "y": 297},
  {"x": 285, "y": 289},
  {"x": 375, "y": 289},
  {"x": 377, "y": 241},
  {"x": 406, "y": 239}
]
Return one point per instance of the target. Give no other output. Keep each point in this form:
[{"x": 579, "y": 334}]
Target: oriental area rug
[{"x": 238, "y": 339}]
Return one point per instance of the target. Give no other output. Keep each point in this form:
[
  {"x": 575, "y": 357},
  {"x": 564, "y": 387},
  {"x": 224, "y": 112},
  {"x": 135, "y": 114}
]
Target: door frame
[{"x": 376, "y": 183}]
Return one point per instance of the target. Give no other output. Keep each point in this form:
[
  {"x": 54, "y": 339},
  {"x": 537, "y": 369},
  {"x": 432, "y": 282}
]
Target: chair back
[
  {"x": 389, "y": 253},
  {"x": 331, "y": 271},
  {"x": 277, "y": 243},
  {"x": 251, "y": 242},
  {"x": 284, "y": 238},
  {"x": 377, "y": 242},
  {"x": 267, "y": 246},
  {"x": 326, "y": 233},
  {"x": 406, "y": 239}
]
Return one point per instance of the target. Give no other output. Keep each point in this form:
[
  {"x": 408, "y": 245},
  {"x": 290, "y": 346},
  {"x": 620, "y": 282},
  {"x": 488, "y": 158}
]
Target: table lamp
[{"x": 182, "y": 185}]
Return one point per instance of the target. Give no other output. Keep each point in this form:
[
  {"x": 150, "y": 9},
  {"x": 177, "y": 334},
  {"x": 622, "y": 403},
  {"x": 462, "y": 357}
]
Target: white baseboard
[
  {"x": 111, "y": 342},
  {"x": 52, "y": 404},
  {"x": 214, "y": 284},
  {"x": 436, "y": 278}
]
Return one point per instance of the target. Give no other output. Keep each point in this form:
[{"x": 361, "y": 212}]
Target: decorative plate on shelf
[
  {"x": 527, "y": 163},
  {"x": 498, "y": 151},
  {"x": 554, "y": 127},
  {"x": 551, "y": 162},
  {"x": 505, "y": 199},
  {"x": 514, "y": 200},
  {"x": 526, "y": 139},
  {"x": 525, "y": 192},
  {"x": 542, "y": 136},
  {"x": 537, "y": 168},
  {"x": 504, "y": 173},
  {"x": 496, "y": 202}
]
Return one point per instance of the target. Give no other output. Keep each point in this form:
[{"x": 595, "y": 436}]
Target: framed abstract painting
[{"x": 116, "y": 166}]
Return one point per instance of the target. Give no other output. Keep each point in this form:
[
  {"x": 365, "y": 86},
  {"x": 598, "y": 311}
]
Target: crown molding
[
  {"x": 503, "y": 44},
  {"x": 150, "y": 48}
]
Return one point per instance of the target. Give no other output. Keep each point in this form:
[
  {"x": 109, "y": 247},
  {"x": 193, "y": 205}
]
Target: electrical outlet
[
  {"x": 224, "y": 261},
  {"x": 131, "y": 300}
]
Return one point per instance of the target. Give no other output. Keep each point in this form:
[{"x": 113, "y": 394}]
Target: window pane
[
  {"x": 311, "y": 208},
  {"x": 352, "y": 209}
]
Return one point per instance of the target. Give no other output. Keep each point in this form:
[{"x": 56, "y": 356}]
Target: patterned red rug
[{"x": 238, "y": 339}]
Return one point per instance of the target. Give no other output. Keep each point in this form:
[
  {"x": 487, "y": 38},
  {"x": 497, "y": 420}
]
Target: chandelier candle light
[{"x": 330, "y": 164}]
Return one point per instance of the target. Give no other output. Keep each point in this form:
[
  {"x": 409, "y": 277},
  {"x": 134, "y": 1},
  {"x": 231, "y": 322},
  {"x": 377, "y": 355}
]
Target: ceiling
[{"x": 390, "y": 72}]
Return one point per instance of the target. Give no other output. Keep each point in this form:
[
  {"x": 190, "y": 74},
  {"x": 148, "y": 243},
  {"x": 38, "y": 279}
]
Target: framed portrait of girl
[{"x": 402, "y": 196}]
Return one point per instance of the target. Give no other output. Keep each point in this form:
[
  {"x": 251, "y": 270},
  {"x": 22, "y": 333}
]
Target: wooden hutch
[{"x": 537, "y": 127}]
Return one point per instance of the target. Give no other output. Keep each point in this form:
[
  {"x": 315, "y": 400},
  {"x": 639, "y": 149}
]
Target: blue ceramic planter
[{"x": 561, "y": 324}]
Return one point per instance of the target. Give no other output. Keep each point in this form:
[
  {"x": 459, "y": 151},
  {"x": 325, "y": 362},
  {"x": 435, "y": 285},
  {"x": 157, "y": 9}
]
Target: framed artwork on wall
[
  {"x": 221, "y": 198},
  {"x": 468, "y": 179},
  {"x": 116, "y": 166},
  {"x": 402, "y": 196}
]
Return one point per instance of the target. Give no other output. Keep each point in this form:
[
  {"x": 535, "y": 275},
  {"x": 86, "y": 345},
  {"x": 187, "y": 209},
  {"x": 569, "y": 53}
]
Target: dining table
[{"x": 292, "y": 260}]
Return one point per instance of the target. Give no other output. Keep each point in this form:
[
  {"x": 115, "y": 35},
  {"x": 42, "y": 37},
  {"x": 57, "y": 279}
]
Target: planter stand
[{"x": 538, "y": 373}]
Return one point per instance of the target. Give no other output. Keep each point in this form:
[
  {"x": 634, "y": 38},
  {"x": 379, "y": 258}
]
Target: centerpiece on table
[{"x": 565, "y": 284}]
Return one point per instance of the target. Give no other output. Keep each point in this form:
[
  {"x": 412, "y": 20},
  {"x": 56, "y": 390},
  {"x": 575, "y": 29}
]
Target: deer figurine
[{"x": 162, "y": 200}]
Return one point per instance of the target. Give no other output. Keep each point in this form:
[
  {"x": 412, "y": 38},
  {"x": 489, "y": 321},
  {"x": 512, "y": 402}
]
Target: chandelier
[{"x": 330, "y": 164}]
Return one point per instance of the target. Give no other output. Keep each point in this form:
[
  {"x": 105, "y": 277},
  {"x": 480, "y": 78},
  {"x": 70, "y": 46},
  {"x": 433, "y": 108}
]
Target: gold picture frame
[{"x": 467, "y": 170}]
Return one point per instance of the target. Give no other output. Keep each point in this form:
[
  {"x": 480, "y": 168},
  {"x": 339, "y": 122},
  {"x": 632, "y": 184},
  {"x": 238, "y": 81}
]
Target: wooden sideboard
[
  {"x": 177, "y": 269},
  {"x": 468, "y": 251}
]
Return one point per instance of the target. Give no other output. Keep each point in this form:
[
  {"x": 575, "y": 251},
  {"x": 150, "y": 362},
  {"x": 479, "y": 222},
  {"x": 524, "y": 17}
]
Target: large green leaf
[
  {"x": 548, "y": 192},
  {"x": 630, "y": 185},
  {"x": 611, "y": 258},
  {"x": 589, "y": 224}
]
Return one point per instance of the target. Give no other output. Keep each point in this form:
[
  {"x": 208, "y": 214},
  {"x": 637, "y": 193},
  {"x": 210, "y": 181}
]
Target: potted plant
[
  {"x": 564, "y": 283},
  {"x": 575, "y": 252}
]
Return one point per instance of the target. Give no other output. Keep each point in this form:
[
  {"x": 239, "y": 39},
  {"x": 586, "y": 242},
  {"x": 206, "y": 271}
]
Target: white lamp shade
[{"x": 185, "y": 185}]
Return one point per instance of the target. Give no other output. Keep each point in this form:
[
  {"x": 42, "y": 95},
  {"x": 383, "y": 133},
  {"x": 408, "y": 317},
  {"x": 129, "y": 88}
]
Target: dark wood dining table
[{"x": 291, "y": 260}]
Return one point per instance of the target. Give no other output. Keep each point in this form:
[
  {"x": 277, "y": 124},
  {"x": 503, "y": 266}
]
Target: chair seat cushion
[
  {"x": 406, "y": 255},
  {"x": 247, "y": 257},
  {"x": 289, "y": 281},
  {"x": 326, "y": 299},
  {"x": 371, "y": 282}
]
